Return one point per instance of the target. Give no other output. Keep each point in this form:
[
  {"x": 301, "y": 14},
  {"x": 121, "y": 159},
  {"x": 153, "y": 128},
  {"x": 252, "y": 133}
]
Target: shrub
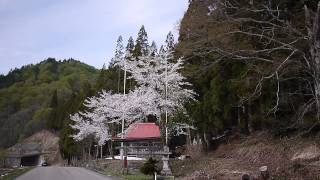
[{"x": 150, "y": 167}]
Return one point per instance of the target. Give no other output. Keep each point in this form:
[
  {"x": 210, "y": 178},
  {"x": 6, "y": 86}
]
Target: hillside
[
  {"x": 243, "y": 77},
  {"x": 31, "y": 95},
  {"x": 296, "y": 158},
  {"x": 250, "y": 71},
  {"x": 244, "y": 95}
]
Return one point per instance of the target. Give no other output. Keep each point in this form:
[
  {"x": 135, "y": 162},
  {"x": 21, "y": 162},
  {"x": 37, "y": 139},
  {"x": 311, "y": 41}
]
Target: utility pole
[
  {"x": 101, "y": 149},
  {"x": 166, "y": 168},
  {"x": 123, "y": 116},
  {"x": 166, "y": 93}
]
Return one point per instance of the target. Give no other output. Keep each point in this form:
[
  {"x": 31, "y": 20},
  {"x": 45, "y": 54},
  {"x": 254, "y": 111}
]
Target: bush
[
  {"x": 2, "y": 157},
  {"x": 150, "y": 167}
]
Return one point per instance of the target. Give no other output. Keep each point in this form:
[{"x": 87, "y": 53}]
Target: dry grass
[{"x": 246, "y": 154}]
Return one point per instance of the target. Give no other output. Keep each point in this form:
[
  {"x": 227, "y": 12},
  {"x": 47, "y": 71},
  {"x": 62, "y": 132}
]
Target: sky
[{"x": 86, "y": 30}]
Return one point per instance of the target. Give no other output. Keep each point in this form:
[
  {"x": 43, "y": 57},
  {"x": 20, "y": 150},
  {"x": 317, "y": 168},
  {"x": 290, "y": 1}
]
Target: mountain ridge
[{"x": 26, "y": 95}]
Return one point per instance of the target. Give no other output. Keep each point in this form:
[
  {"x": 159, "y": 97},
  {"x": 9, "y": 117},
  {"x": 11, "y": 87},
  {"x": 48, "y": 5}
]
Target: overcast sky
[{"x": 87, "y": 30}]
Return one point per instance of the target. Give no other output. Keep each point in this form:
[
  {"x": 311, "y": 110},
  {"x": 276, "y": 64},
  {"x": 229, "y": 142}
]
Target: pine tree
[
  {"x": 54, "y": 100},
  {"x": 169, "y": 43},
  {"x": 119, "y": 48},
  {"x": 130, "y": 49},
  {"x": 53, "y": 122},
  {"x": 161, "y": 50},
  {"x": 153, "y": 49},
  {"x": 141, "y": 47},
  {"x": 101, "y": 81},
  {"x": 130, "y": 45},
  {"x": 119, "y": 55},
  {"x": 112, "y": 63},
  {"x": 68, "y": 146}
]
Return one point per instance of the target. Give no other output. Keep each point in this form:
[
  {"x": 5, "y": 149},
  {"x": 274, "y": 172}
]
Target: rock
[{"x": 263, "y": 168}]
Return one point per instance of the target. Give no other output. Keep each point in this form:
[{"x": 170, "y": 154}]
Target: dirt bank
[{"x": 296, "y": 158}]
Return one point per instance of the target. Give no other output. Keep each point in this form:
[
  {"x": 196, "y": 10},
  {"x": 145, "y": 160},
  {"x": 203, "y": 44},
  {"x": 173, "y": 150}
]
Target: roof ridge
[{"x": 146, "y": 123}]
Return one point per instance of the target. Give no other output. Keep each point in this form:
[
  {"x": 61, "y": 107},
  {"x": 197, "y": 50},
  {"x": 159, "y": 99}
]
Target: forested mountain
[
  {"x": 44, "y": 95},
  {"x": 38, "y": 96},
  {"x": 252, "y": 64}
]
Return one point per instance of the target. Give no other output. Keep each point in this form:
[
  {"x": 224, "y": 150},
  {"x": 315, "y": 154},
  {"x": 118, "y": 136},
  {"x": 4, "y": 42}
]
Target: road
[{"x": 62, "y": 173}]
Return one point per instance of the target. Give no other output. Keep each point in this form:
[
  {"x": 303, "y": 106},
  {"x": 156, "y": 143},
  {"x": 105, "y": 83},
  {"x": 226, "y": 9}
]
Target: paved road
[{"x": 62, "y": 173}]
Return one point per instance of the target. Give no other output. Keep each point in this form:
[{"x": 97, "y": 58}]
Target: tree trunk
[
  {"x": 250, "y": 127},
  {"x": 244, "y": 119},
  {"x": 119, "y": 78},
  {"x": 101, "y": 153},
  {"x": 83, "y": 153},
  {"x": 110, "y": 145},
  {"x": 89, "y": 151},
  {"x": 205, "y": 140},
  {"x": 97, "y": 151},
  {"x": 188, "y": 137},
  {"x": 313, "y": 28}
]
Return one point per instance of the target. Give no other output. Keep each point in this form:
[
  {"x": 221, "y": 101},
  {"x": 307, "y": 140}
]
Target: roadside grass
[
  {"x": 137, "y": 177},
  {"x": 113, "y": 168},
  {"x": 128, "y": 176},
  {"x": 16, "y": 173}
]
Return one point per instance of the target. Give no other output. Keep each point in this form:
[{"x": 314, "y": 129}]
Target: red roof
[{"x": 141, "y": 131}]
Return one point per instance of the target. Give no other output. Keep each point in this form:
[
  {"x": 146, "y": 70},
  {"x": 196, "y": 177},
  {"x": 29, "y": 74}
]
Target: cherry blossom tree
[
  {"x": 160, "y": 89},
  {"x": 107, "y": 108},
  {"x": 160, "y": 74},
  {"x": 153, "y": 72}
]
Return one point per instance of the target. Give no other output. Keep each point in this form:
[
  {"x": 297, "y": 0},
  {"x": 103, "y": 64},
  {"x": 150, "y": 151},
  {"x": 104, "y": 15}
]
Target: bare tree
[{"x": 277, "y": 46}]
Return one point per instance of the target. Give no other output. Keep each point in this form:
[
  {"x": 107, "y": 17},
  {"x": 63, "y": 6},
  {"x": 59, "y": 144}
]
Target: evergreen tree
[
  {"x": 130, "y": 49},
  {"x": 169, "y": 43},
  {"x": 141, "y": 47},
  {"x": 36, "y": 73},
  {"x": 119, "y": 49},
  {"x": 112, "y": 63},
  {"x": 54, "y": 122},
  {"x": 153, "y": 49},
  {"x": 130, "y": 45},
  {"x": 69, "y": 147},
  {"x": 119, "y": 53},
  {"x": 101, "y": 81},
  {"x": 161, "y": 50}
]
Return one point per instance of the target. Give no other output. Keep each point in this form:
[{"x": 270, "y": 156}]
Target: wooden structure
[{"x": 142, "y": 140}]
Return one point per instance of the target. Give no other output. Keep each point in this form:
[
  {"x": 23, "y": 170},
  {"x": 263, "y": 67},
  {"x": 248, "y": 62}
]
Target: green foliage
[
  {"x": 68, "y": 146},
  {"x": 53, "y": 122},
  {"x": 35, "y": 96},
  {"x": 218, "y": 88},
  {"x": 130, "y": 45},
  {"x": 233, "y": 93},
  {"x": 141, "y": 46},
  {"x": 150, "y": 167},
  {"x": 2, "y": 157},
  {"x": 110, "y": 79}
]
